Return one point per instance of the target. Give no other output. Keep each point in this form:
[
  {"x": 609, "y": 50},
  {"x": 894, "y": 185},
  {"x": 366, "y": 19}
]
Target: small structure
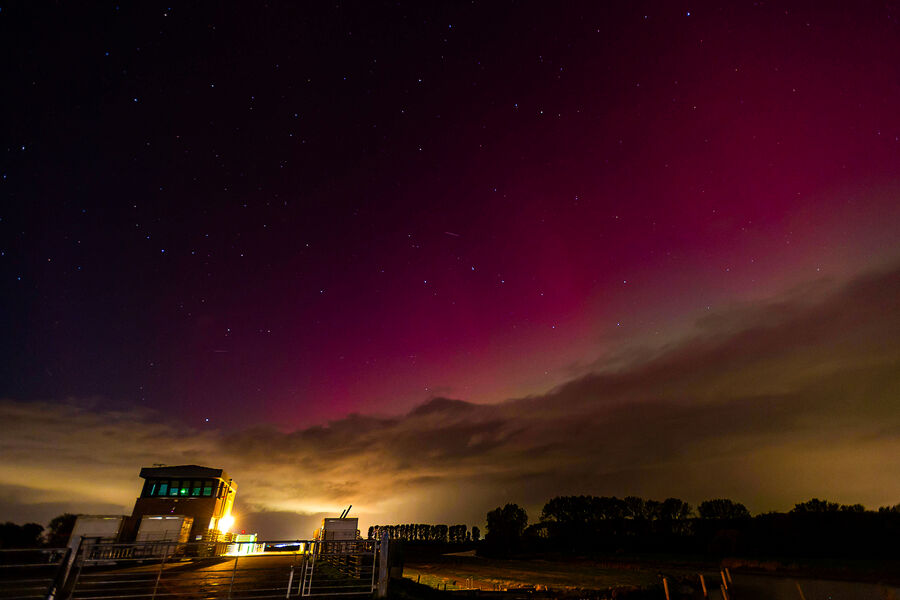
[
  {"x": 338, "y": 529},
  {"x": 337, "y": 535},
  {"x": 94, "y": 529},
  {"x": 198, "y": 498}
]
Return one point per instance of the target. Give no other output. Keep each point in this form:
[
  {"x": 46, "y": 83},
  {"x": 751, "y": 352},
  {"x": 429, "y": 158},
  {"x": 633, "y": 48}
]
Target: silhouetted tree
[
  {"x": 674, "y": 516},
  {"x": 457, "y": 534},
  {"x": 20, "y": 536},
  {"x": 634, "y": 507},
  {"x": 441, "y": 534},
  {"x": 652, "y": 510},
  {"x": 59, "y": 529},
  {"x": 722, "y": 508},
  {"x": 476, "y": 533},
  {"x": 816, "y": 506},
  {"x": 505, "y": 527}
]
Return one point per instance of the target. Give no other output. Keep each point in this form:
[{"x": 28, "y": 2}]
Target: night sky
[{"x": 427, "y": 258}]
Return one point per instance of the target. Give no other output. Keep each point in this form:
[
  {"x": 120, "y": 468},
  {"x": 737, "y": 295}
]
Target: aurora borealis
[{"x": 426, "y": 258}]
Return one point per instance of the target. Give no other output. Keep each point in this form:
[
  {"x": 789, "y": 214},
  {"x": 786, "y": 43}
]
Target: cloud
[{"x": 769, "y": 403}]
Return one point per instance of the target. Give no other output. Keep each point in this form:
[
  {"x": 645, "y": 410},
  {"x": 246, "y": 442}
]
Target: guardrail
[
  {"x": 226, "y": 571},
  {"x": 340, "y": 568},
  {"x": 28, "y": 574}
]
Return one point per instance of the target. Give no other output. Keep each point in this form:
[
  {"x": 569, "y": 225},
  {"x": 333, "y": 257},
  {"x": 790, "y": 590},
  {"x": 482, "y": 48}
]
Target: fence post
[
  {"x": 233, "y": 573},
  {"x": 80, "y": 551},
  {"x": 162, "y": 565},
  {"x": 290, "y": 582},
  {"x": 59, "y": 579},
  {"x": 666, "y": 587},
  {"x": 703, "y": 585},
  {"x": 383, "y": 566}
]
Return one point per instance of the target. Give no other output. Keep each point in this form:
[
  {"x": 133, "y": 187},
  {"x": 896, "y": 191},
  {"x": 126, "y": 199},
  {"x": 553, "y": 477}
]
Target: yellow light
[{"x": 225, "y": 523}]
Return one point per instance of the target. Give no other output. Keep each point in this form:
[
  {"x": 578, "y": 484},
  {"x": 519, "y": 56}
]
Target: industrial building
[{"x": 182, "y": 503}]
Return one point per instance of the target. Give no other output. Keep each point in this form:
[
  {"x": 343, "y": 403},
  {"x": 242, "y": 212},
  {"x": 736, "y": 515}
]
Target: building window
[
  {"x": 195, "y": 488},
  {"x": 185, "y": 487},
  {"x": 173, "y": 487},
  {"x": 207, "y": 488},
  {"x": 153, "y": 485},
  {"x": 163, "y": 488}
]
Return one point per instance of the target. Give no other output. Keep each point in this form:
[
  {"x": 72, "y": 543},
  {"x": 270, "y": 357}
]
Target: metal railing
[
  {"x": 222, "y": 571},
  {"x": 340, "y": 568},
  {"x": 32, "y": 573}
]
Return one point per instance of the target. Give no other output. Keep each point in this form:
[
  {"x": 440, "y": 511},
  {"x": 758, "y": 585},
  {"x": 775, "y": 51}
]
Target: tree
[
  {"x": 816, "y": 506},
  {"x": 59, "y": 530},
  {"x": 675, "y": 509},
  {"x": 457, "y": 534},
  {"x": 505, "y": 527},
  {"x": 441, "y": 533},
  {"x": 722, "y": 508},
  {"x": 674, "y": 513},
  {"x": 634, "y": 507},
  {"x": 20, "y": 536},
  {"x": 652, "y": 510},
  {"x": 476, "y": 533}
]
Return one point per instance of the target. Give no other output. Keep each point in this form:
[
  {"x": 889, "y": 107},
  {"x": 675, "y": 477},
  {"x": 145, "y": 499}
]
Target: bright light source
[{"x": 225, "y": 523}]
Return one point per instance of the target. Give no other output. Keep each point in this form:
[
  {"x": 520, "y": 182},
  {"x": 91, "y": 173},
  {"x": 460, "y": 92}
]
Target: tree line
[
  {"x": 33, "y": 535},
  {"x": 423, "y": 532},
  {"x": 580, "y": 524}
]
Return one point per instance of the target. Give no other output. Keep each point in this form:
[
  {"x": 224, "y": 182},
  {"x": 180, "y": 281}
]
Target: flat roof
[{"x": 182, "y": 471}]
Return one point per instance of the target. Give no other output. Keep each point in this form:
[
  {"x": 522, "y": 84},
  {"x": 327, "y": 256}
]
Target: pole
[
  {"x": 703, "y": 585},
  {"x": 724, "y": 592},
  {"x": 800, "y": 589},
  {"x": 58, "y": 580},
  {"x": 290, "y": 583},
  {"x": 162, "y": 565},
  {"x": 724, "y": 583},
  {"x": 666, "y": 587},
  {"x": 383, "y": 566},
  {"x": 233, "y": 573},
  {"x": 728, "y": 574}
]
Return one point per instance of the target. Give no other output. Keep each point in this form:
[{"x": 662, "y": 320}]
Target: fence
[
  {"x": 340, "y": 568},
  {"x": 226, "y": 571},
  {"x": 32, "y": 574}
]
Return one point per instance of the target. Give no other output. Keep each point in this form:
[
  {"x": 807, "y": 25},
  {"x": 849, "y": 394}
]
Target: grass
[{"x": 464, "y": 572}]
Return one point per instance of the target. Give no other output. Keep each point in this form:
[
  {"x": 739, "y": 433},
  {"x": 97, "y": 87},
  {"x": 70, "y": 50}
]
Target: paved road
[
  {"x": 241, "y": 578},
  {"x": 246, "y": 577}
]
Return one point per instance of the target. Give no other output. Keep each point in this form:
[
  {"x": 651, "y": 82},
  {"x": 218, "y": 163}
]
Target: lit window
[
  {"x": 207, "y": 488},
  {"x": 195, "y": 489},
  {"x": 185, "y": 487},
  {"x": 173, "y": 487},
  {"x": 163, "y": 488},
  {"x": 153, "y": 486}
]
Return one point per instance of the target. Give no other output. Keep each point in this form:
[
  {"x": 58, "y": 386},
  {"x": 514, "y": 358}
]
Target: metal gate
[
  {"x": 340, "y": 568},
  {"x": 223, "y": 571}
]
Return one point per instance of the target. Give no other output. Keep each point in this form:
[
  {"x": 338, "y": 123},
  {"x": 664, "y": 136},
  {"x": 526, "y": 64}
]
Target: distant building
[
  {"x": 200, "y": 497},
  {"x": 338, "y": 529}
]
